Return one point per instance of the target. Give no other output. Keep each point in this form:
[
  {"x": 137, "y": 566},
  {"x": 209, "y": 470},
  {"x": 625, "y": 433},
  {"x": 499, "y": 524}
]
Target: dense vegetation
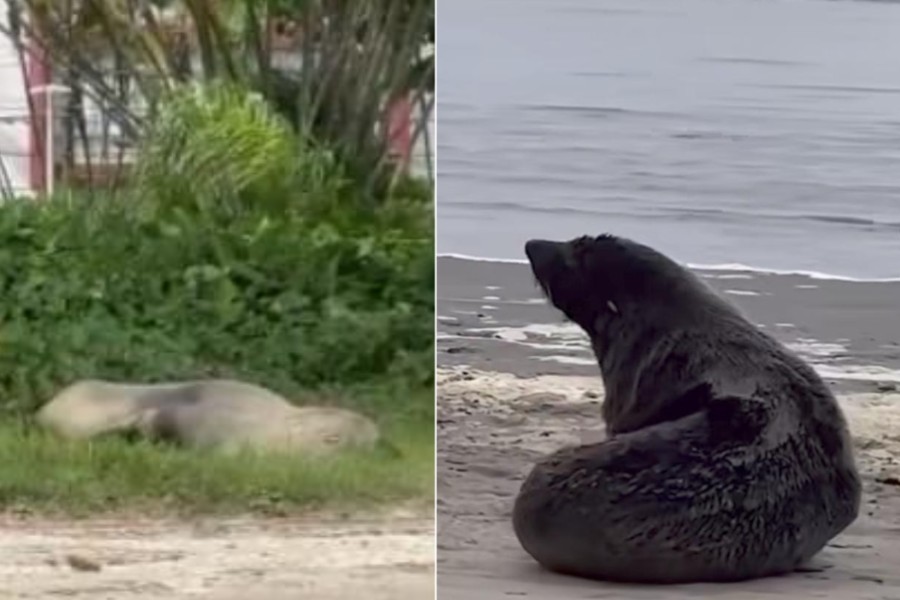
[
  {"x": 260, "y": 236},
  {"x": 275, "y": 271}
]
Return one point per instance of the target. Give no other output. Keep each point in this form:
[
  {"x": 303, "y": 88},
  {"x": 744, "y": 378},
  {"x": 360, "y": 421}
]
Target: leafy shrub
[
  {"x": 217, "y": 147},
  {"x": 338, "y": 295}
]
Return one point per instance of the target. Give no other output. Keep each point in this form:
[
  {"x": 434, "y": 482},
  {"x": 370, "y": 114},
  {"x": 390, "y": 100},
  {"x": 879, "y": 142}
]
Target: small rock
[
  {"x": 891, "y": 480},
  {"x": 457, "y": 349},
  {"x": 81, "y": 563},
  {"x": 886, "y": 386}
]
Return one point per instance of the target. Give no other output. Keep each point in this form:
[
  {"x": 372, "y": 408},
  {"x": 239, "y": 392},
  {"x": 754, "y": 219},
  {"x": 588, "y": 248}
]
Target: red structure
[
  {"x": 37, "y": 74},
  {"x": 399, "y": 132}
]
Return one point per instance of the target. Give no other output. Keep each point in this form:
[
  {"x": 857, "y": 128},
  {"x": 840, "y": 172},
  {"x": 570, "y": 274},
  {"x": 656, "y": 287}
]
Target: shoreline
[
  {"x": 492, "y": 316},
  {"x": 724, "y": 267}
]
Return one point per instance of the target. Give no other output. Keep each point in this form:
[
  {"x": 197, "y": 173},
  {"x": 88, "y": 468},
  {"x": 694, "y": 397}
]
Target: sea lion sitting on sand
[
  {"x": 728, "y": 457},
  {"x": 219, "y": 414}
]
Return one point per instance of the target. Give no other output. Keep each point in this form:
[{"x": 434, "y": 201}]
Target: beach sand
[
  {"x": 515, "y": 383},
  {"x": 325, "y": 558}
]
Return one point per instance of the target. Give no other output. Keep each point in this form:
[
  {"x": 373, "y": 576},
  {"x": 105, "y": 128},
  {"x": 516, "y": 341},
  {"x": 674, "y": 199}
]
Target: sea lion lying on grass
[
  {"x": 728, "y": 458},
  {"x": 218, "y": 414}
]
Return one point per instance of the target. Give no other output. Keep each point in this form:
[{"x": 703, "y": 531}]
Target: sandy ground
[
  {"x": 376, "y": 559},
  {"x": 493, "y": 426}
]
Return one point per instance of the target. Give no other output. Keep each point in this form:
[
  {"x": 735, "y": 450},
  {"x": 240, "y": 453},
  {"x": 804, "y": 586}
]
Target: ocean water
[{"x": 760, "y": 133}]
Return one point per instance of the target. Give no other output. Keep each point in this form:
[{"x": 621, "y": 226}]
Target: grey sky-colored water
[{"x": 760, "y": 132}]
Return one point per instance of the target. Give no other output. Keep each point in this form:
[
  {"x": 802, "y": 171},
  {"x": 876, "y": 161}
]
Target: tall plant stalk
[{"x": 334, "y": 81}]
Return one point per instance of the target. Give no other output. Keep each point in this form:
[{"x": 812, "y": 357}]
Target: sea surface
[{"x": 762, "y": 133}]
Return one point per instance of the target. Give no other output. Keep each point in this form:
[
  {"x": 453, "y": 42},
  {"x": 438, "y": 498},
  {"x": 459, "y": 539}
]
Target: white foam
[
  {"x": 811, "y": 347},
  {"x": 491, "y": 298},
  {"x": 488, "y": 307},
  {"x": 469, "y": 257},
  {"x": 443, "y": 319},
  {"x": 798, "y": 272},
  {"x": 742, "y": 292},
  {"x": 566, "y": 360},
  {"x": 561, "y": 331},
  {"x": 859, "y": 373},
  {"x": 806, "y": 287},
  {"x": 707, "y": 267},
  {"x": 733, "y": 276},
  {"x": 565, "y": 336},
  {"x": 529, "y": 301},
  {"x": 500, "y": 337},
  {"x": 569, "y": 337},
  {"x": 492, "y": 288}
]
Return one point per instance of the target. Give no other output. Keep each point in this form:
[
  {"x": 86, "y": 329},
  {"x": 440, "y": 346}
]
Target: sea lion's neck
[
  {"x": 619, "y": 357},
  {"x": 645, "y": 369}
]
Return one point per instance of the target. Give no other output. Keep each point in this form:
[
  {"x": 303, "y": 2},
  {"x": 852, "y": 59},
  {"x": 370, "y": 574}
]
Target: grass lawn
[{"x": 42, "y": 474}]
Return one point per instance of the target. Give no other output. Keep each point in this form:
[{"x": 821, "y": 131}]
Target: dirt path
[
  {"x": 378, "y": 559},
  {"x": 492, "y": 427}
]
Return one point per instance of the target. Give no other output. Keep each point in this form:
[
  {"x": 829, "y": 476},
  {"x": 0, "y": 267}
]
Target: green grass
[{"x": 45, "y": 475}]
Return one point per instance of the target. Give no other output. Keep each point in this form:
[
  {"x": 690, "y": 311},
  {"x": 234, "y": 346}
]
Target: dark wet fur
[{"x": 728, "y": 457}]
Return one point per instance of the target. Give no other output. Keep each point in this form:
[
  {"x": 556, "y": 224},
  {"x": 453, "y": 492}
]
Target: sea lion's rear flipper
[{"x": 684, "y": 500}]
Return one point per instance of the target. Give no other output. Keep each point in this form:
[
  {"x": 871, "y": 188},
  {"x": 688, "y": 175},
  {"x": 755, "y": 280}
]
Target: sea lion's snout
[
  {"x": 547, "y": 258},
  {"x": 544, "y": 256}
]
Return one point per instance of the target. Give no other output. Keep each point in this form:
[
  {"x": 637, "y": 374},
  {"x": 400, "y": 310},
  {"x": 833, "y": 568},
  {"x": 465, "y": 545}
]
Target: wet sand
[{"x": 515, "y": 383}]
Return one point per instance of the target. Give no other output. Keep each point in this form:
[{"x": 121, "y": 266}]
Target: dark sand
[{"x": 515, "y": 383}]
